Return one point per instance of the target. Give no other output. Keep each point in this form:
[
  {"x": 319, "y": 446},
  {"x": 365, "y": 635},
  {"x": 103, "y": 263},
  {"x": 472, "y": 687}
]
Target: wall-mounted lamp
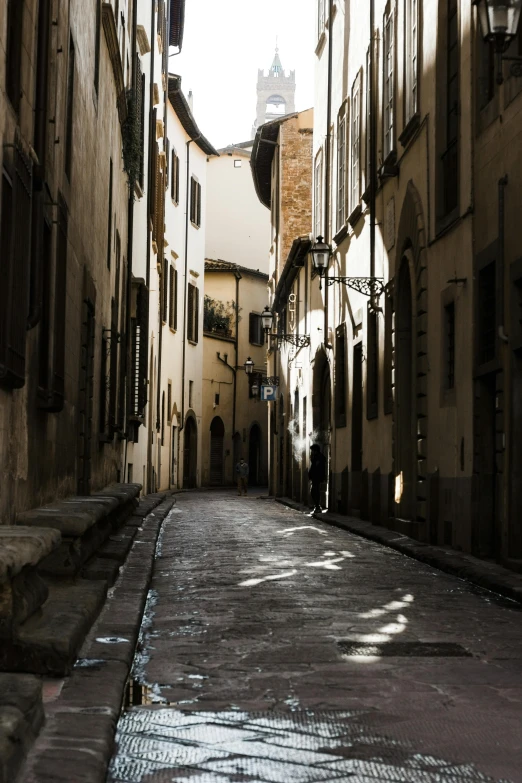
[{"x": 499, "y": 20}]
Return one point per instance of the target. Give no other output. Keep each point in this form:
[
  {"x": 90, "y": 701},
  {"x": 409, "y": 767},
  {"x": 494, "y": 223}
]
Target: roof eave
[{"x": 180, "y": 105}]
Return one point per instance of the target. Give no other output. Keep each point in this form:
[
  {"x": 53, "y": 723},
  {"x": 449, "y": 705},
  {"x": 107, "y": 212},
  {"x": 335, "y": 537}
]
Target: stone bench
[
  {"x": 84, "y": 524},
  {"x": 22, "y": 590}
]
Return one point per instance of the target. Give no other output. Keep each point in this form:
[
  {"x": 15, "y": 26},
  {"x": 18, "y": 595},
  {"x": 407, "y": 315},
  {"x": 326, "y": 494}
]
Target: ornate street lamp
[
  {"x": 267, "y": 319},
  {"x": 369, "y": 286},
  {"x": 321, "y": 253},
  {"x": 249, "y": 366},
  {"x": 499, "y": 21}
]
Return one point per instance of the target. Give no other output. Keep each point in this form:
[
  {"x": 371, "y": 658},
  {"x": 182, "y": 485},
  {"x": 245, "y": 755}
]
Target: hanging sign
[{"x": 268, "y": 393}]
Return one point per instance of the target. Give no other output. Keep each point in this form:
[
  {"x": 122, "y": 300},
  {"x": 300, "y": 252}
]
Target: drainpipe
[
  {"x": 327, "y": 158},
  {"x": 373, "y": 139}
]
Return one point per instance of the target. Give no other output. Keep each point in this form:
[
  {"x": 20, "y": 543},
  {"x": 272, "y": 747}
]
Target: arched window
[{"x": 276, "y": 104}]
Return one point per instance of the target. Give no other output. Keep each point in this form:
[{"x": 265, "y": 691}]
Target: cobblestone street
[{"x": 277, "y": 648}]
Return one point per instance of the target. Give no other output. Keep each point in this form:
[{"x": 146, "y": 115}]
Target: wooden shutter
[
  {"x": 198, "y": 193},
  {"x": 175, "y": 324},
  {"x": 196, "y": 314},
  {"x": 176, "y": 199},
  {"x": 190, "y": 312},
  {"x": 171, "y": 297},
  {"x": 153, "y": 164},
  {"x": 252, "y": 328},
  {"x": 167, "y": 164},
  {"x": 192, "y": 199},
  {"x": 15, "y": 257},
  {"x": 164, "y": 291},
  {"x": 140, "y": 115}
]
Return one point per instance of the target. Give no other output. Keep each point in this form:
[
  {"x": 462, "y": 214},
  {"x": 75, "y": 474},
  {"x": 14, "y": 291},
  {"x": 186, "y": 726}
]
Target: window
[
  {"x": 450, "y": 155},
  {"x": 163, "y": 419},
  {"x": 174, "y": 177},
  {"x": 195, "y": 202},
  {"x": 167, "y": 163},
  {"x": 372, "y": 377},
  {"x": 321, "y": 16},
  {"x": 15, "y": 10},
  {"x": 238, "y": 163},
  {"x": 169, "y": 402},
  {"x": 139, "y": 349},
  {"x": 341, "y": 167},
  {"x": 216, "y": 399},
  {"x": 191, "y": 394},
  {"x": 487, "y": 318},
  {"x": 255, "y": 330},
  {"x": 368, "y": 118},
  {"x": 173, "y": 298},
  {"x": 449, "y": 336},
  {"x": 69, "y": 114},
  {"x": 355, "y": 190},
  {"x": 97, "y": 45},
  {"x": 109, "y": 218},
  {"x": 193, "y": 313},
  {"x": 340, "y": 376},
  {"x": 389, "y": 75},
  {"x": 486, "y": 71},
  {"x": 318, "y": 195},
  {"x": 15, "y": 248},
  {"x": 411, "y": 57},
  {"x": 140, "y": 115},
  {"x": 164, "y": 290}
]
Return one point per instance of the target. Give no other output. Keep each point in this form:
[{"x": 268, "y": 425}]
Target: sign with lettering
[{"x": 268, "y": 393}]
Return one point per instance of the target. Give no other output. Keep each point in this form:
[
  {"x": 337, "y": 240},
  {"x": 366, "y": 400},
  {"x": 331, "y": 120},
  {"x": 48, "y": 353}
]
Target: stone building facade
[
  {"x": 64, "y": 208},
  {"x": 412, "y": 391}
]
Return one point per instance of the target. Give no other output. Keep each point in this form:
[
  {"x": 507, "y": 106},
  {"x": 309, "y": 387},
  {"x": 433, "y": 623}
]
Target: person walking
[
  {"x": 242, "y": 476},
  {"x": 316, "y": 474}
]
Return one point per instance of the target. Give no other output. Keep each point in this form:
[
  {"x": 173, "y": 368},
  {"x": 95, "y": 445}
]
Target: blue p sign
[{"x": 268, "y": 393}]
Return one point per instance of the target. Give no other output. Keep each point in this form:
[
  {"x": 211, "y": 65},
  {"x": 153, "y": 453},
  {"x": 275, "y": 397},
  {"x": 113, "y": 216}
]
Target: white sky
[{"x": 224, "y": 44}]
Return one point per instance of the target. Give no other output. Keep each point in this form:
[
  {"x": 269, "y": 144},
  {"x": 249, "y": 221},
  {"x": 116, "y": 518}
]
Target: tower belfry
[{"x": 275, "y": 93}]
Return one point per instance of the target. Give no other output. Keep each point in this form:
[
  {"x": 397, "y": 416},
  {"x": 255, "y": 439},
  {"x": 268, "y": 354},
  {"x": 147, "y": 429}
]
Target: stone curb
[
  {"x": 77, "y": 741},
  {"x": 490, "y": 576}
]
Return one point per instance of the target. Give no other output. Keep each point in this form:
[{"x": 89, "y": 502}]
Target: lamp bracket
[
  {"x": 299, "y": 340},
  {"x": 368, "y": 286}
]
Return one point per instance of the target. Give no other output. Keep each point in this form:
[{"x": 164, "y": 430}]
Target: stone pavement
[{"x": 277, "y": 648}]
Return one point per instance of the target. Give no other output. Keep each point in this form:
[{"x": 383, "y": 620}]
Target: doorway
[
  {"x": 405, "y": 448},
  {"x": 217, "y": 436},
  {"x": 254, "y": 455},
  {"x": 485, "y": 534},
  {"x": 357, "y": 428},
  {"x": 190, "y": 454}
]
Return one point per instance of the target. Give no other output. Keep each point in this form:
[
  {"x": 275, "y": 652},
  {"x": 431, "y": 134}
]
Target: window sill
[
  {"x": 389, "y": 168},
  {"x": 192, "y": 342},
  {"x": 355, "y": 216},
  {"x": 138, "y": 190},
  {"x": 410, "y": 129},
  {"x": 176, "y": 203},
  {"x": 195, "y": 225},
  {"x": 341, "y": 234},
  {"x": 320, "y": 43}
]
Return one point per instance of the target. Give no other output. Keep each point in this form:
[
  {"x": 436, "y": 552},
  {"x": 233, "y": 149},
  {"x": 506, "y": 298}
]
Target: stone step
[
  {"x": 22, "y": 591},
  {"x": 48, "y": 642},
  {"x": 84, "y": 523},
  {"x": 21, "y": 718}
]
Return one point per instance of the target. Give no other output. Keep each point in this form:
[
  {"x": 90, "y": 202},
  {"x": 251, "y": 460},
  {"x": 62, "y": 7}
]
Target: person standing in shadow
[{"x": 316, "y": 474}]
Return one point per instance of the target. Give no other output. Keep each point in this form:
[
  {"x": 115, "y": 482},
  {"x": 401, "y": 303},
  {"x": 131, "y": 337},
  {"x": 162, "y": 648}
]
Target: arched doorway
[
  {"x": 217, "y": 435},
  {"x": 405, "y": 411},
  {"x": 254, "y": 455},
  {"x": 190, "y": 453}
]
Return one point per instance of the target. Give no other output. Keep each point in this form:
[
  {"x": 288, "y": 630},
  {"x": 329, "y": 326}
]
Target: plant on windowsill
[
  {"x": 219, "y": 317},
  {"x": 130, "y": 132}
]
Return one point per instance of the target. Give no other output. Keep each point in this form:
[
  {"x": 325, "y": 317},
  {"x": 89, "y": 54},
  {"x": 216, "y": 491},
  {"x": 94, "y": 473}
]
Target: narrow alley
[{"x": 277, "y": 648}]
